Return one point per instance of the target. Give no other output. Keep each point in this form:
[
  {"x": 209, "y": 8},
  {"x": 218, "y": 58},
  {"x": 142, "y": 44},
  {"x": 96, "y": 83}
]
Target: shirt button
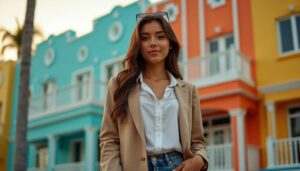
[{"x": 143, "y": 159}]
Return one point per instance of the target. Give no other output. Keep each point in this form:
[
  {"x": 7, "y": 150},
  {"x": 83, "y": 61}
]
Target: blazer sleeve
[
  {"x": 198, "y": 142},
  {"x": 109, "y": 135}
]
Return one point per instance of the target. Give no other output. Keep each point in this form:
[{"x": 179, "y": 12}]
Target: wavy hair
[{"x": 134, "y": 64}]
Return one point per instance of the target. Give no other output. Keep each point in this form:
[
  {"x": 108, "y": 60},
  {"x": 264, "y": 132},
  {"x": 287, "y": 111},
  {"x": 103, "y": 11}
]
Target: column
[
  {"x": 32, "y": 156},
  {"x": 52, "y": 140},
  {"x": 238, "y": 138},
  {"x": 90, "y": 143},
  {"x": 271, "y": 121}
]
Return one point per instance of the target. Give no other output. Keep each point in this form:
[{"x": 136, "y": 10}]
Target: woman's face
[{"x": 155, "y": 44}]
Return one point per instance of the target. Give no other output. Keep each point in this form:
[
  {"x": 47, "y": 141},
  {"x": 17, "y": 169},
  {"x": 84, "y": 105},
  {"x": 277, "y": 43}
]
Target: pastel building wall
[
  {"x": 7, "y": 71},
  {"x": 276, "y": 26},
  {"x": 69, "y": 75}
]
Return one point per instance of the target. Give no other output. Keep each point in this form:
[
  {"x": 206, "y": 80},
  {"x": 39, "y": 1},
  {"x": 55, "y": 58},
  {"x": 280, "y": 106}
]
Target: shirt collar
[{"x": 173, "y": 80}]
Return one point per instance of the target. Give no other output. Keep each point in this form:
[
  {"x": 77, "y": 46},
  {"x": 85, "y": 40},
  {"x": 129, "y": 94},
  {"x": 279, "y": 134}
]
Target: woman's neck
[{"x": 155, "y": 73}]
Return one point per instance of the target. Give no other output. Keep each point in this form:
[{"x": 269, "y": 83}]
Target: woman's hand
[{"x": 193, "y": 164}]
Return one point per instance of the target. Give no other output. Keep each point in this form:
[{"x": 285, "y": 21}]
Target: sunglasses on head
[{"x": 140, "y": 16}]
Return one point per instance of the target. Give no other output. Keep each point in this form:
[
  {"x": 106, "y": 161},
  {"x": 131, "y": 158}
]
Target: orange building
[{"x": 218, "y": 57}]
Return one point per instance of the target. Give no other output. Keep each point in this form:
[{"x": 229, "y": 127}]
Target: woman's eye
[
  {"x": 144, "y": 38},
  {"x": 161, "y": 36}
]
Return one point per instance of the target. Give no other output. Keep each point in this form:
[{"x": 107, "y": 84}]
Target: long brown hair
[{"x": 134, "y": 64}]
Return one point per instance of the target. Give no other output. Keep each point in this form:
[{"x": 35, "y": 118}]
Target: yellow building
[
  {"x": 7, "y": 74},
  {"x": 276, "y": 25}
]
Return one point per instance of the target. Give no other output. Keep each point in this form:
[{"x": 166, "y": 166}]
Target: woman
[{"x": 152, "y": 118}]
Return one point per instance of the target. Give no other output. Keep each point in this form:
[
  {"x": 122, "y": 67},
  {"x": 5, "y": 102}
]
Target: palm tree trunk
[{"x": 20, "y": 154}]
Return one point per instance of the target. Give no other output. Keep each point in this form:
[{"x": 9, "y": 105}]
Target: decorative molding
[
  {"x": 216, "y": 3},
  {"x": 228, "y": 93},
  {"x": 82, "y": 53},
  {"x": 236, "y": 32},
  {"x": 172, "y": 10},
  {"x": 49, "y": 57},
  {"x": 280, "y": 87},
  {"x": 184, "y": 29},
  {"x": 202, "y": 27},
  {"x": 237, "y": 112},
  {"x": 115, "y": 31}
]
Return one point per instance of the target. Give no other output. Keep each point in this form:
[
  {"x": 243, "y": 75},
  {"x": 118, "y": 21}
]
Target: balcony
[
  {"x": 221, "y": 157},
  {"x": 283, "y": 153},
  {"x": 69, "y": 167},
  {"x": 67, "y": 98},
  {"x": 219, "y": 68}
]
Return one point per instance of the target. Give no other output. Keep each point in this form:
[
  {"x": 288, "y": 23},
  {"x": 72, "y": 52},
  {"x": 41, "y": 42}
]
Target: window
[
  {"x": 294, "y": 115},
  {"x": 289, "y": 34},
  {"x": 42, "y": 157},
  {"x": 49, "y": 89},
  {"x": 217, "y": 130},
  {"x": 220, "y": 59},
  {"x": 77, "y": 149},
  {"x": 83, "y": 83}
]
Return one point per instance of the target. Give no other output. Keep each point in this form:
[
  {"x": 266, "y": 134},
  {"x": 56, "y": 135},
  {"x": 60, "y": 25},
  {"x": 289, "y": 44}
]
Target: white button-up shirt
[{"x": 160, "y": 118}]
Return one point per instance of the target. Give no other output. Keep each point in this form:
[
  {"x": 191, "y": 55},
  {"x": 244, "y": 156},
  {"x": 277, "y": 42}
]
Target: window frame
[{"x": 296, "y": 49}]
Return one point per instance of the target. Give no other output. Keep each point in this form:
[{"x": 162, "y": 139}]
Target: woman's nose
[{"x": 153, "y": 42}]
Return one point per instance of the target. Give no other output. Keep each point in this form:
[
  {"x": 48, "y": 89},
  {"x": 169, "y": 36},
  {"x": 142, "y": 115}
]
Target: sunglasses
[{"x": 164, "y": 15}]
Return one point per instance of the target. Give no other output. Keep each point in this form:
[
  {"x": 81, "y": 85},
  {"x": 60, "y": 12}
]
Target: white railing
[
  {"x": 37, "y": 169},
  {"x": 283, "y": 152},
  {"x": 253, "y": 158},
  {"x": 68, "y": 96},
  {"x": 219, "y": 67},
  {"x": 69, "y": 167},
  {"x": 220, "y": 157}
]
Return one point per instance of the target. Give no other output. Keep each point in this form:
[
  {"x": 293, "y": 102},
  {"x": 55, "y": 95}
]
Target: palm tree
[
  {"x": 14, "y": 39},
  {"x": 20, "y": 153}
]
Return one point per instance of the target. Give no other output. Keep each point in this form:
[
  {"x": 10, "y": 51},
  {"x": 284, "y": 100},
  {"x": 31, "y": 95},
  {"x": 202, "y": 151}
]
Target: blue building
[{"x": 68, "y": 82}]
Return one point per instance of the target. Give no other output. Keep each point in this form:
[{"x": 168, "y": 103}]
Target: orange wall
[
  {"x": 193, "y": 32},
  {"x": 221, "y": 17}
]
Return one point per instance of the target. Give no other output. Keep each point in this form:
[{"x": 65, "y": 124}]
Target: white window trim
[
  {"x": 290, "y": 117},
  {"x": 103, "y": 73},
  {"x": 294, "y": 36},
  {"x": 89, "y": 69}
]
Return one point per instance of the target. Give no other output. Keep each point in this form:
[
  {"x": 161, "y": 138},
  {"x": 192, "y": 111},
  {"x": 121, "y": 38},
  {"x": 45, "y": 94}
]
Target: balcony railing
[
  {"x": 283, "y": 152},
  {"x": 67, "y": 97},
  {"x": 69, "y": 167},
  {"x": 37, "y": 169},
  {"x": 220, "y": 157},
  {"x": 218, "y": 68}
]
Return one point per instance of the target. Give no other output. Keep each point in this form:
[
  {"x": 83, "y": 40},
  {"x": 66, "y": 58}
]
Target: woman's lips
[{"x": 153, "y": 52}]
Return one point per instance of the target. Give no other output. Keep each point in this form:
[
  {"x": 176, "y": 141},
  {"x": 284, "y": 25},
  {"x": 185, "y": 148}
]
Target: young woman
[{"x": 152, "y": 118}]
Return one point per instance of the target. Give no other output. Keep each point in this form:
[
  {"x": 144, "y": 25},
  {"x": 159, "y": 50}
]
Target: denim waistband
[{"x": 163, "y": 155}]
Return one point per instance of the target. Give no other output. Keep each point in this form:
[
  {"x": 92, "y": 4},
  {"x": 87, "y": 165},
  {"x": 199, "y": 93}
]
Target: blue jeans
[{"x": 164, "y": 162}]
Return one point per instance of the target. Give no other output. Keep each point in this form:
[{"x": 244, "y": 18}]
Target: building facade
[
  {"x": 68, "y": 82},
  {"x": 218, "y": 57},
  {"x": 7, "y": 71},
  {"x": 276, "y": 27}
]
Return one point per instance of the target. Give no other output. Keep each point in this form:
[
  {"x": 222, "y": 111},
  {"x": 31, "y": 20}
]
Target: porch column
[
  {"x": 51, "y": 152},
  {"x": 90, "y": 148},
  {"x": 238, "y": 138},
  {"x": 271, "y": 116},
  {"x": 272, "y": 134},
  {"x": 32, "y": 156}
]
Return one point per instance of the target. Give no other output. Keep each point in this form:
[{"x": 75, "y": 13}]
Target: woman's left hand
[{"x": 193, "y": 164}]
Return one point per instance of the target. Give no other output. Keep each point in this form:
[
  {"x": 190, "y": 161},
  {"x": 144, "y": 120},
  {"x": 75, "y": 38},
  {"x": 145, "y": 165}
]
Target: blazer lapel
[
  {"x": 183, "y": 98},
  {"x": 134, "y": 108}
]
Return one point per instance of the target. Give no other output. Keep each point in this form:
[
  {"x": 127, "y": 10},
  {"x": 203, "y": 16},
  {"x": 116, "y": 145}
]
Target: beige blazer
[{"x": 123, "y": 144}]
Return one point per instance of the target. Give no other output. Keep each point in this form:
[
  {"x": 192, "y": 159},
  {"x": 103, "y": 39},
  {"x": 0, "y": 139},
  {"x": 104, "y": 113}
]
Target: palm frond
[{"x": 7, "y": 46}]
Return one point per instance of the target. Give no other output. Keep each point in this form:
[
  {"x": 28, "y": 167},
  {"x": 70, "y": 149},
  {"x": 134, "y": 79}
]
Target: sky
[{"x": 57, "y": 16}]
